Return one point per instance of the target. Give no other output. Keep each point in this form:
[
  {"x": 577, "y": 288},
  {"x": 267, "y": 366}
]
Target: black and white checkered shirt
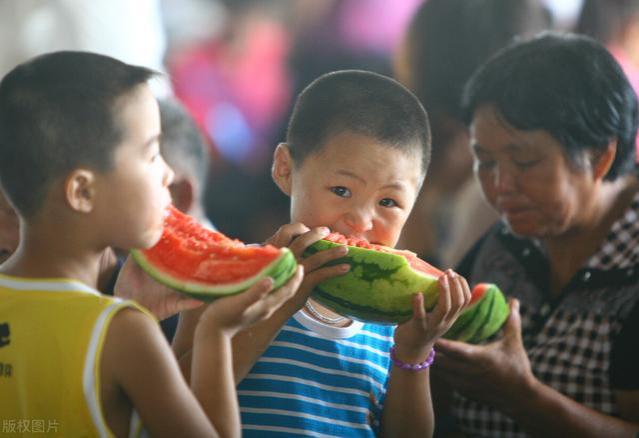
[{"x": 583, "y": 343}]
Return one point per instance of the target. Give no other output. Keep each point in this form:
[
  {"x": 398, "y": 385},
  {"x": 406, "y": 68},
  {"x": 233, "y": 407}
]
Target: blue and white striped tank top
[{"x": 318, "y": 380}]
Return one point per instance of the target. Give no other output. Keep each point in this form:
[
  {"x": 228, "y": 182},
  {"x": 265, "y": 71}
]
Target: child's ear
[
  {"x": 603, "y": 161},
  {"x": 282, "y": 169},
  {"x": 79, "y": 190}
]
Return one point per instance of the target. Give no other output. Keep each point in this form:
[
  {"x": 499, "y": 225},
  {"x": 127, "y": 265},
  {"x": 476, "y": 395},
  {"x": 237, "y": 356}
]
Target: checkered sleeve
[{"x": 624, "y": 360}]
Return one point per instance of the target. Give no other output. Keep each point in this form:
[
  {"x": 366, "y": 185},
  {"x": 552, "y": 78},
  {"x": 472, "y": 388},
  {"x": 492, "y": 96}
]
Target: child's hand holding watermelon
[
  {"x": 414, "y": 339},
  {"x": 298, "y": 237},
  {"x": 135, "y": 284},
  {"x": 237, "y": 312}
]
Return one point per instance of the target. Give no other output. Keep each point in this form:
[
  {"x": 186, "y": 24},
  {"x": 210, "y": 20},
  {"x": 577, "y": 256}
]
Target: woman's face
[{"x": 527, "y": 178}]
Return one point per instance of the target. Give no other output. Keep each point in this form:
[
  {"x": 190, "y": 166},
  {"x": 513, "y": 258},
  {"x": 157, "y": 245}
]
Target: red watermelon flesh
[{"x": 206, "y": 263}]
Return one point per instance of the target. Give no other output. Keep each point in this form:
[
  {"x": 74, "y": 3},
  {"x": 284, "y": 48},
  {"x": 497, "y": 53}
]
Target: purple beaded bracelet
[{"x": 412, "y": 367}]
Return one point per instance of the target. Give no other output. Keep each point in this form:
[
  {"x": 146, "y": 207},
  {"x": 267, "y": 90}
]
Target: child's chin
[{"x": 150, "y": 241}]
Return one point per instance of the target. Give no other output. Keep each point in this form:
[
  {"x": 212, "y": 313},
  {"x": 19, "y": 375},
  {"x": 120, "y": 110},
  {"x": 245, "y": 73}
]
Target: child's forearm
[
  {"x": 183, "y": 338},
  {"x": 212, "y": 381},
  {"x": 250, "y": 344},
  {"x": 408, "y": 409}
]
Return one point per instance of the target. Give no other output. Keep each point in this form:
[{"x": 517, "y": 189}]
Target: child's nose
[
  {"x": 359, "y": 220},
  {"x": 168, "y": 175}
]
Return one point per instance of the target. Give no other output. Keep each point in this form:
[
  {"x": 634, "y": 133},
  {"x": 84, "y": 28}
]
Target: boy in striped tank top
[
  {"x": 357, "y": 150},
  {"x": 80, "y": 163}
]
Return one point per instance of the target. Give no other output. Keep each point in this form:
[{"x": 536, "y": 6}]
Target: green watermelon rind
[
  {"x": 467, "y": 316},
  {"x": 492, "y": 321},
  {"x": 481, "y": 317},
  {"x": 378, "y": 288},
  {"x": 498, "y": 317},
  {"x": 360, "y": 313},
  {"x": 280, "y": 269}
]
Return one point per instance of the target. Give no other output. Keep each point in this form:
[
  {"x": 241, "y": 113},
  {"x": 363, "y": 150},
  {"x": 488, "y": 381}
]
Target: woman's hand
[
  {"x": 496, "y": 373},
  {"x": 415, "y": 338}
]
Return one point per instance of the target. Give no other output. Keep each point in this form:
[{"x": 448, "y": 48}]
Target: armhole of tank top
[
  {"x": 136, "y": 429},
  {"x": 91, "y": 372}
]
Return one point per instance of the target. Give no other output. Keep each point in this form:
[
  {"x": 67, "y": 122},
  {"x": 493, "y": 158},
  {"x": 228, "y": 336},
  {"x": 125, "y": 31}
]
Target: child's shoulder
[{"x": 60, "y": 302}]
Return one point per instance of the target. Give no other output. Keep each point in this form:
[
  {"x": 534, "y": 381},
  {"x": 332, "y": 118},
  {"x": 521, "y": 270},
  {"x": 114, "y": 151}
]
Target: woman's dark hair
[{"x": 567, "y": 85}]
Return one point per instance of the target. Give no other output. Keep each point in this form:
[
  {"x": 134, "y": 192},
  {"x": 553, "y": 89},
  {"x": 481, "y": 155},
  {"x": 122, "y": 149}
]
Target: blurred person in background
[
  {"x": 615, "y": 23},
  {"x": 235, "y": 83},
  {"x": 237, "y": 80},
  {"x": 184, "y": 149},
  {"x": 445, "y": 43}
]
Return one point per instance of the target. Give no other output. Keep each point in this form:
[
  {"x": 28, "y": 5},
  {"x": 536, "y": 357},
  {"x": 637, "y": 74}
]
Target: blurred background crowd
[{"x": 237, "y": 65}]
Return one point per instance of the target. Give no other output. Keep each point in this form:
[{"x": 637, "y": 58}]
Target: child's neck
[
  {"x": 325, "y": 315},
  {"x": 58, "y": 258}
]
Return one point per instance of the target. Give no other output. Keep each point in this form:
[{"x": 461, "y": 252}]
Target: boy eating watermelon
[
  {"x": 357, "y": 151},
  {"x": 80, "y": 162}
]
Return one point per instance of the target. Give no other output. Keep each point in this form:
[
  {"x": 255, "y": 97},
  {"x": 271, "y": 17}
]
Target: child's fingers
[
  {"x": 419, "y": 312},
  {"x": 286, "y": 233},
  {"x": 457, "y": 298},
  {"x": 274, "y": 300},
  {"x": 444, "y": 301},
  {"x": 255, "y": 292},
  {"x": 299, "y": 245},
  {"x": 466, "y": 291},
  {"x": 325, "y": 273},
  {"x": 289, "y": 288},
  {"x": 321, "y": 258},
  {"x": 268, "y": 303}
]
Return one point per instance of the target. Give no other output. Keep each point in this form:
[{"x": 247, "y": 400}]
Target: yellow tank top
[{"x": 51, "y": 338}]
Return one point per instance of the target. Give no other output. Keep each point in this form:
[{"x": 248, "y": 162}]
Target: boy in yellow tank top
[{"x": 80, "y": 163}]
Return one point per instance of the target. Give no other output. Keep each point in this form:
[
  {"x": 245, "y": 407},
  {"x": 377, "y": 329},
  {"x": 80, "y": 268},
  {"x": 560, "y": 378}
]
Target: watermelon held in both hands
[
  {"x": 484, "y": 316},
  {"x": 380, "y": 284},
  {"x": 206, "y": 264}
]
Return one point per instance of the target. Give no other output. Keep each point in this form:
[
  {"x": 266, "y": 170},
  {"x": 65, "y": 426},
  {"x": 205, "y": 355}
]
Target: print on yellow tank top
[{"x": 51, "y": 337}]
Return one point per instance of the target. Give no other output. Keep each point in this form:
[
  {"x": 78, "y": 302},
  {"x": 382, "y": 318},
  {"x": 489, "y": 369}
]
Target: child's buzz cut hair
[
  {"x": 57, "y": 113},
  {"x": 362, "y": 102}
]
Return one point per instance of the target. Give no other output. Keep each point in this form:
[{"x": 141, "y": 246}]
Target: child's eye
[
  {"x": 341, "y": 191},
  {"x": 388, "y": 203}
]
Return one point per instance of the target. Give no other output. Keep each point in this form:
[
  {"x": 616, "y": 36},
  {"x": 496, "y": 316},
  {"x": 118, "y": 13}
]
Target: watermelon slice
[
  {"x": 484, "y": 316},
  {"x": 380, "y": 284},
  {"x": 206, "y": 264}
]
